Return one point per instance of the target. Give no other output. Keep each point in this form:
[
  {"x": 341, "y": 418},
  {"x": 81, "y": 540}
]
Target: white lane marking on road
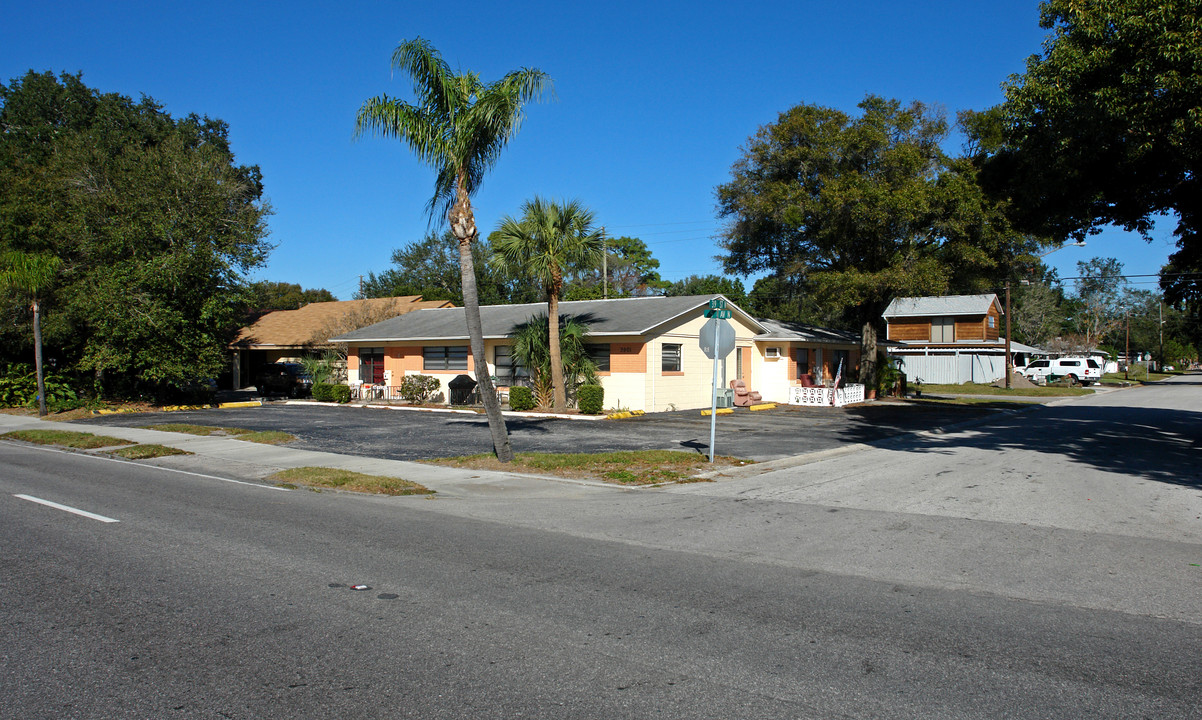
[
  {"x": 67, "y": 508},
  {"x": 158, "y": 467}
]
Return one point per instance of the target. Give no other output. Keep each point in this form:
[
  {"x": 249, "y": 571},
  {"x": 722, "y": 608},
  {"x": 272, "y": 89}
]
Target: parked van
[{"x": 1081, "y": 370}]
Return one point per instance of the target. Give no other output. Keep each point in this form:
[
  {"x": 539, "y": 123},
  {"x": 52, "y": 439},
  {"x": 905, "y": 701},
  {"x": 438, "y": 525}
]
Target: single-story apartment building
[
  {"x": 646, "y": 348},
  {"x": 951, "y": 339}
]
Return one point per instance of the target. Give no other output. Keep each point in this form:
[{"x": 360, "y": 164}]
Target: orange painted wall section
[{"x": 628, "y": 357}]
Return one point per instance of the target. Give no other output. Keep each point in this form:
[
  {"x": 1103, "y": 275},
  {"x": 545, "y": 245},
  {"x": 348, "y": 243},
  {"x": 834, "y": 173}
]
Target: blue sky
[{"x": 653, "y": 102}]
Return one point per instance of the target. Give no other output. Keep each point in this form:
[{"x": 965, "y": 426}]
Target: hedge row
[{"x": 330, "y": 392}]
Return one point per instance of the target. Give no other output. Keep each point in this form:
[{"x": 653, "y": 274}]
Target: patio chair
[{"x": 743, "y": 396}]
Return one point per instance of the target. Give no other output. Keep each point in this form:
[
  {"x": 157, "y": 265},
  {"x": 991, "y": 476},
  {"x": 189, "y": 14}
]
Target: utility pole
[
  {"x": 604, "y": 267},
  {"x": 1160, "y": 360},
  {"x": 1127, "y": 365},
  {"x": 1007, "y": 334}
]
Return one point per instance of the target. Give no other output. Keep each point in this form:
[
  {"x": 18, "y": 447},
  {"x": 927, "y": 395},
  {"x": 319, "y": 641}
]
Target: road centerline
[{"x": 67, "y": 508}]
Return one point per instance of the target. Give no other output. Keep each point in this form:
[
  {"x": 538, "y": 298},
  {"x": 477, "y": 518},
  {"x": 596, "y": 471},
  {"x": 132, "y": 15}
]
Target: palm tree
[
  {"x": 551, "y": 238},
  {"x": 31, "y": 275},
  {"x": 458, "y": 125},
  {"x": 532, "y": 350}
]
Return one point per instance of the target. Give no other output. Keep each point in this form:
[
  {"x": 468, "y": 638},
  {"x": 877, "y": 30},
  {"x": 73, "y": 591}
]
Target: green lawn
[
  {"x": 626, "y": 467},
  {"x": 973, "y": 389},
  {"x": 1136, "y": 374},
  {"x": 322, "y": 477},
  {"x": 66, "y": 438},
  {"x": 266, "y": 437}
]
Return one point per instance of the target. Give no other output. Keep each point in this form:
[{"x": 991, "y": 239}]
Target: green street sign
[
  {"x": 720, "y": 314},
  {"x": 717, "y": 304}
]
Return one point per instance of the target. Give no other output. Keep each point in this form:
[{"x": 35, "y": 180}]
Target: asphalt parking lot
[{"x": 416, "y": 435}]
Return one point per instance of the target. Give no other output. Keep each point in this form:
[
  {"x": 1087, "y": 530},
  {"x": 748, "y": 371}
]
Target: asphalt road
[
  {"x": 410, "y": 435},
  {"x": 215, "y": 599}
]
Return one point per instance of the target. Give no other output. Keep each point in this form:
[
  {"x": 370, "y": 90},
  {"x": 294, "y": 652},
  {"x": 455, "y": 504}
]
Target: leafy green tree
[
  {"x": 629, "y": 271},
  {"x": 153, "y": 222},
  {"x": 856, "y": 211},
  {"x": 459, "y": 126},
  {"x": 1100, "y": 296},
  {"x": 30, "y": 276},
  {"x": 430, "y": 268},
  {"x": 1037, "y": 312},
  {"x": 732, "y": 288},
  {"x": 551, "y": 240},
  {"x": 1102, "y": 127},
  {"x": 265, "y": 295}
]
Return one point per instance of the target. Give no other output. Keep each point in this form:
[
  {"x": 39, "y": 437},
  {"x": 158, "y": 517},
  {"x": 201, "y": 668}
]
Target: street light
[{"x": 1009, "y": 365}]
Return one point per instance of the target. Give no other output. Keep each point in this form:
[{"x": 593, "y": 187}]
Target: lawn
[
  {"x": 267, "y": 437},
  {"x": 630, "y": 467},
  {"x": 975, "y": 389},
  {"x": 66, "y": 438},
  {"x": 1137, "y": 374},
  {"x": 320, "y": 477}
]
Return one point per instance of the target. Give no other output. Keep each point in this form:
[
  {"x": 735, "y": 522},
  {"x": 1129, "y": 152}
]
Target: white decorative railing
[{"x": 846, "y": 395}]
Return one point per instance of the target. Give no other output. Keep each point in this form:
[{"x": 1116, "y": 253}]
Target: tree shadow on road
[{"x": 1151, "y": 443}]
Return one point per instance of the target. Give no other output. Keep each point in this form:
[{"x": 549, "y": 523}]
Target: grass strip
[
  {"x": 322, "y": 477},
  {"x": 625, "y": 467},
  {"x": 145, "y": 452},
  {"x": 266, "y": 437},
  {"x": 66, "y": 438},
  {"x": 971, "y": 389}
]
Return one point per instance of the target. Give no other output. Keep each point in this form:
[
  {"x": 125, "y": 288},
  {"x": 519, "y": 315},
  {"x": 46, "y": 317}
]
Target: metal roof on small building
[
  {"x": 941, "y": 305},
  {"x": 798, "y": 332},
  {"x": 614, "y": 317}
]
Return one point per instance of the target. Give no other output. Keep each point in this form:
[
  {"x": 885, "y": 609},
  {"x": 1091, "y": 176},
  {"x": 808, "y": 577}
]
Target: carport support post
[{"x": 714, "y": 407}]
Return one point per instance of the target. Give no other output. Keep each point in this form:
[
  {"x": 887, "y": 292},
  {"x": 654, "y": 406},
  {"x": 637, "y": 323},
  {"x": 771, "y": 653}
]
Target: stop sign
[{"x": 717, "y": 338}]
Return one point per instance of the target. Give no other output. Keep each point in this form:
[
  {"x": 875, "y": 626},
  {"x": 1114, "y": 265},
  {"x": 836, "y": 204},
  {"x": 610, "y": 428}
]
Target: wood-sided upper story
[{"x": 944, "y": 320}]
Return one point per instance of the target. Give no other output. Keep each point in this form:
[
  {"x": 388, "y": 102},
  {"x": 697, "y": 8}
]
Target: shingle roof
[
  {"x": 622, "y": 316},
  {"x": 941, "y": 305},
  {"x": 296, "y": 328},
  {"x": 797, "y": 332}
]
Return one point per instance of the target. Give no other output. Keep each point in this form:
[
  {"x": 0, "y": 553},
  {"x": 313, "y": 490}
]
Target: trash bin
[{"x": 460, "y": 389}]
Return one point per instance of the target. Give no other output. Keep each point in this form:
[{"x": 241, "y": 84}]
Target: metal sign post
[{"x": 716, "y": 339}]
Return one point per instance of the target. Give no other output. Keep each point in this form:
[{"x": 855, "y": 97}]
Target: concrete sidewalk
[{"x": 242, "y": 460}]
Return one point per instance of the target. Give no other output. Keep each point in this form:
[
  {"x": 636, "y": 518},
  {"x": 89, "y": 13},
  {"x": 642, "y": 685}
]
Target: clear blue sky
[{"x": 653, "y": 102}]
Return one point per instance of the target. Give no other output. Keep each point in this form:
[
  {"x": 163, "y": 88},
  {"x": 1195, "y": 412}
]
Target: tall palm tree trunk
[
  {"x": 463, "y": 224},
  {"x": 37, "y": 357},
  {"x": 559, "y": 395}
]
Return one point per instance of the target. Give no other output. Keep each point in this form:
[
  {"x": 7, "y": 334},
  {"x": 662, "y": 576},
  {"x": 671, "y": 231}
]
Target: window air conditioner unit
[{"x": 772, "y": 352}]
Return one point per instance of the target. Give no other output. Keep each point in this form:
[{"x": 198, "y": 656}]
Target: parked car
[
  {"x": 1081, "y": 370},
  {"x": 283, "y": 378}
]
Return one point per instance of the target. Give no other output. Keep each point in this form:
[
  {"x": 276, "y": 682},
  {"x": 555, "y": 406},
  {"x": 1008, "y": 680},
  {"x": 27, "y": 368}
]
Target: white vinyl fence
[{"x": 952, "y": 368}]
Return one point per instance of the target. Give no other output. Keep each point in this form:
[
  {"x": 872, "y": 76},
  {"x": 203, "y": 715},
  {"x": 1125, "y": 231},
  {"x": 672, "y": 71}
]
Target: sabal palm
[
  {"x": 532, "y": 350},
  {"x": 550, "y": 240},
  {"x": 458, "y": 125}
]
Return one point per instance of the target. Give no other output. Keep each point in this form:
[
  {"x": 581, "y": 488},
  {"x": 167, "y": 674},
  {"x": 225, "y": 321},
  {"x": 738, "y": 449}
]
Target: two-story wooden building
[{"x": 950, "y": 338}]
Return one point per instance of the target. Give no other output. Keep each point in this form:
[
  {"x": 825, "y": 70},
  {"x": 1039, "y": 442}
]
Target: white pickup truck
[{"x": 1081, "y": 370}]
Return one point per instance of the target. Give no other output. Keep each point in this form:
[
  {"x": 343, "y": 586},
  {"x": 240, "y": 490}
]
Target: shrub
[
  {"x": 330, "y": 392},
  {"x": 521, "y": 399},
  {"x": 19, "y": 388},
  {"x": 591, "y": 399},
  {"x": 416, "y": 389}
]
